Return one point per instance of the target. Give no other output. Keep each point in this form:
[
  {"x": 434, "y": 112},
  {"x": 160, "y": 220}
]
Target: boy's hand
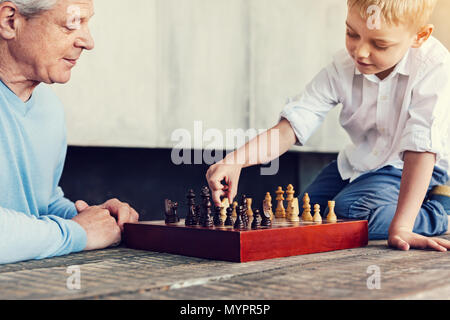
[
  {"x": 122, "y": 211},
  {"x": 101, "y": 228},
  {"x": 219, "y": 172},
  {"x": 403, "y": 239}
]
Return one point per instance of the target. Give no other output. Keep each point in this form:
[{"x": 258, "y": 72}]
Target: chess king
[
  {"x": 393, "y": 81},
  {"x": 40, "y": 43}
]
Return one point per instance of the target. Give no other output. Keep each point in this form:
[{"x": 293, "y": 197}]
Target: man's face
[
  {"x": 48, "y": 46},
  {"x": 376, "y": 51}
]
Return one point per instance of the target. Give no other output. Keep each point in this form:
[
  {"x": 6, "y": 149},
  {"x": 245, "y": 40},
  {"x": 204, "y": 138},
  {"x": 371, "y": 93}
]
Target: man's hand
[
  {"x": 101, "y": 228},
  {"x": 122, "y": 211},
  {"x": 403, "y": 239}
]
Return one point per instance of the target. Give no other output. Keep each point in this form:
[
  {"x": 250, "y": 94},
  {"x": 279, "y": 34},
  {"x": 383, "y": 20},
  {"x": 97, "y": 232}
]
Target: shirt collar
[{"x": 403, "y": 67}]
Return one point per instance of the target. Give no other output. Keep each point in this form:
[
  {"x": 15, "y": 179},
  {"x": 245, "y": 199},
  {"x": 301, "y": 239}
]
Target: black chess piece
[
  {"x": 245, "y": 217},
  {"x": 218, "y": 222},
  {"x": 174, "y": 210},
  {"x": 190, "y": 217},
  {"x": 229, "y": 220},
  {"x": 239, "y": 224},
  {"x": 197, "y": 215},
  {"x": 265, "y": 222},
  {"x": 256, "y": 223},
  {"x": 170, "y": 212},
  {"x": 206, "y": 219}
]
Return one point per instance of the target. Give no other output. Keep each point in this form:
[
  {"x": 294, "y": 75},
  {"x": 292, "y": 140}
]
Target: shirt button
[{"x": 384, "y": 98}]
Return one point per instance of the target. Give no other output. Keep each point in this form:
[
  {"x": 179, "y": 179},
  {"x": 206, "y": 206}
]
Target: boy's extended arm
[
  {"x": 417, "y": 172},
  {"x": 262, "y": 149}
]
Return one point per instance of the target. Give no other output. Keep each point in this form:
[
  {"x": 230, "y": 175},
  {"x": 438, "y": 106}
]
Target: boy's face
[{"x": 376, "y": 51}]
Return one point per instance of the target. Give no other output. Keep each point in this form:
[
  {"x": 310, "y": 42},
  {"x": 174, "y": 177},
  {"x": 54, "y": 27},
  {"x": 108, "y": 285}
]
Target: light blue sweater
[{"x": 34, "y": 215}]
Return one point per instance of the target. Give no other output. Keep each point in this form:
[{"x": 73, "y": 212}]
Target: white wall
[{"x": 160, "y": 65}]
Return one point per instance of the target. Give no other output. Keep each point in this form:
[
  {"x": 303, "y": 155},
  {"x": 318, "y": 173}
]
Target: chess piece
[
  {"x": 191, "y": 215},
  {"x": 206, "y": 219},
  {"x": 239, "y": 224},
  {"x": 256, "y": 223},
  {"x": 234, "y": 214},
  {"x": 244, "y": 214},
  {"x": 267, "y": 205},
  {"x": 289, "y": 198},
  {"x": 197, "y": 215},
  {"x": 331, "y": 214},
  {"x": 249, "y": 207},
  {"x": 294, "y": 211},
  {"x": 317, "y": 217},
  {"x": 280, "y": 212},
  {"x": 306, "y": 216},
  {"x": 229, "y": 220},
  {"x": 266, "y": 222},
  {"x": 171, "y": 212},
  {"x": 218, "y": 222},
  {"x": 225, "y": 206}
]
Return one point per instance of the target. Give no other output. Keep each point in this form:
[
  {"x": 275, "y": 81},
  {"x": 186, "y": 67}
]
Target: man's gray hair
[{"x": 30, "y": 8}]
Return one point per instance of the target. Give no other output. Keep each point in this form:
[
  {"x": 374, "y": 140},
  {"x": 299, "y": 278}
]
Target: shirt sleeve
[
  {"x": 61, "y": 206},
  {"x": 26, "y": 237},
  {"x": 58, "y": 204},
  {"x": 307, "y": 112},
  {"x": 428, "y": 124}
]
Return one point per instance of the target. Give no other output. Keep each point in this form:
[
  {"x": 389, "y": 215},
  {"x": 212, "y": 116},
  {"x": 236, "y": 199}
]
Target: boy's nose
[{"x": 362, "y": 51}]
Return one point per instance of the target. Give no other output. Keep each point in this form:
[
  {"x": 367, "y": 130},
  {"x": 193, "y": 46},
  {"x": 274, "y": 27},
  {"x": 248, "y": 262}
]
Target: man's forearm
[
  {"x": 417, "y": 172},
  {"x": 265, "y": 147}
]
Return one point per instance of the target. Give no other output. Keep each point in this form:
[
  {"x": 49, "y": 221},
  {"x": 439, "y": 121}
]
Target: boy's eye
[
  {"x": 380, "y": 48},
  {"x": 352, "y": 35}
]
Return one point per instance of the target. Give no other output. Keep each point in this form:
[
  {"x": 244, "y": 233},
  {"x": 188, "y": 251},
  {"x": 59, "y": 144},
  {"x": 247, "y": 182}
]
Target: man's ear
[
  {"x": 8, "y": 20},
  {"x": 422, "y": 36}
]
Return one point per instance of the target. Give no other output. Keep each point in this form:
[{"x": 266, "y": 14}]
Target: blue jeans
[{"x": 373, "y": 197}]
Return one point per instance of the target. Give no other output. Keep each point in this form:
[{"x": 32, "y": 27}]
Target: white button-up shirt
[{"x": 407, "y": 111}]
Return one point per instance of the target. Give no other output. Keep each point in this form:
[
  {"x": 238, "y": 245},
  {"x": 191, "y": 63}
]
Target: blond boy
[{"x": 393, "y": 81}]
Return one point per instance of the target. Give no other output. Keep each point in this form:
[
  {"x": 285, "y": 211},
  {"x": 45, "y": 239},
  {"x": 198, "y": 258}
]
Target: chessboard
[{"x": 238, "y": 233}]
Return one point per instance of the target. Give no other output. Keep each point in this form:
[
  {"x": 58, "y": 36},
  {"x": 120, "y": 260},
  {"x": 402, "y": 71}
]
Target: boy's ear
[
  {"x": 422, "y": 36},
  {"x": 8, "y": 20}
]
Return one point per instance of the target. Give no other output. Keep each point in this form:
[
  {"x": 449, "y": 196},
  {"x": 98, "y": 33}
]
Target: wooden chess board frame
[{"x": 283, "y": 239}]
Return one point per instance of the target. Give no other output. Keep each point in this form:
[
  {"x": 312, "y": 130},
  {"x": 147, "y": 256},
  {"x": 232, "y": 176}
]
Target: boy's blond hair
[{"x": 416, "y": 13}]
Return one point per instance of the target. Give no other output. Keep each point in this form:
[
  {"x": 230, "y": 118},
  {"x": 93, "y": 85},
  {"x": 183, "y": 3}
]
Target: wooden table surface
[{"x": 121, "y": 273}]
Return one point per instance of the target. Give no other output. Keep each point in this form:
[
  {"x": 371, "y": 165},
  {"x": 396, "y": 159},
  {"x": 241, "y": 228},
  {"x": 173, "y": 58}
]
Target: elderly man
[{"x": 40, "y": 43}]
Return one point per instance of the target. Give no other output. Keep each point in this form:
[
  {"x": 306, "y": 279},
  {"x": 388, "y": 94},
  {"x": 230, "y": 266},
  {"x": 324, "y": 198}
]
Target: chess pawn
[
  {"x": 306, "y": 216},
  {"x": 249, "y": 207},
  {"x": 223, "y": 209},
  {"x": 267, "y": 205},
  {"x": 294, "y": 211},
  {"x": 256, "y": 223},
  {"x": 331, "y": 214},
  {"x": 229, "y": 220},
  {"x": 218, "y": 222},
  {"x": 289, "y": 198},
  {"x": 280, "y": 212},
  {"x": 239, "y": 224},
  {"x": 234, "y": 213},
  {"x": 317, "y": 217},
  {"x": 266, "y": 222}
]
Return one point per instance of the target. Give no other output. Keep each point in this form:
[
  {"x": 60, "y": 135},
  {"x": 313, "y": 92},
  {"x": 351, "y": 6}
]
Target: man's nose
[{"x": 85, "y": 41}]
